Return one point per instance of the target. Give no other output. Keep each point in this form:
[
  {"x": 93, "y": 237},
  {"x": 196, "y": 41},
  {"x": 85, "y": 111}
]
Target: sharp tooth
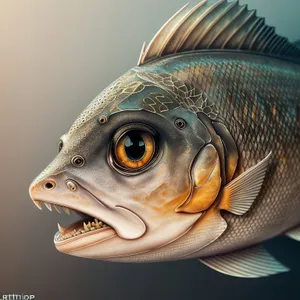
[
  {"x": 85, "y": 227},
  {"x": 38, "y": 204},
  {"x": 61, "y": 229},
  {"x": 67, "y": 210},
  {"x": 97, "y": 224},
  {"x": 57, "y": 208},
  {"x": 48, "y": 205},
  {"x": 89, "y": 225}
]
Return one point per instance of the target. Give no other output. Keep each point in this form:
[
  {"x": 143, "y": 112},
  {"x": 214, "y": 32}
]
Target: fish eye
[
  {"x": 134, "y": 149},
  {"x": 60, "y": 145}
]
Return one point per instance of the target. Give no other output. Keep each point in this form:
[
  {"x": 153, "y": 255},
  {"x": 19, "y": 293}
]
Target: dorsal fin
[{"x": 217, "y": 25}]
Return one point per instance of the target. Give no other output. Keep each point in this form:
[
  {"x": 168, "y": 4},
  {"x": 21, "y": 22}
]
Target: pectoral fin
[
  {"x": 294, "y": 234},
  {"x": 241, "y": 192},
  {"x": 249, "y": 263}
]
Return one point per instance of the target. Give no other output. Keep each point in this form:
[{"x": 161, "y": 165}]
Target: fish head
[{"x": 125, "y": 166}]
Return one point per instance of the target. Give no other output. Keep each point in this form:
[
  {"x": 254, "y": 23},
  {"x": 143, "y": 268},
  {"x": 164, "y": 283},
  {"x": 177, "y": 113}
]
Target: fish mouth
[
  {"x": 98, "y": 220},
  {"x": 86, "y": 226},
  {"x": 80, "y": 229}
]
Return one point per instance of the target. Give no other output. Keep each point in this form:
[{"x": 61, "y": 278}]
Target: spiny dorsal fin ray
[{"x": 217, "y": 25}]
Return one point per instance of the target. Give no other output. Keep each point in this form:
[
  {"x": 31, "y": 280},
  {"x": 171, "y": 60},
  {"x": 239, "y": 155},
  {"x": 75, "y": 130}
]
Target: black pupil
[{"x": 134, "y": 145}]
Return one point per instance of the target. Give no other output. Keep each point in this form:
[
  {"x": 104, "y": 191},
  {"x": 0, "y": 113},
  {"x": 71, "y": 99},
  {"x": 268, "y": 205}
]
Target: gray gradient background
[{"x": 55, "y": 57}]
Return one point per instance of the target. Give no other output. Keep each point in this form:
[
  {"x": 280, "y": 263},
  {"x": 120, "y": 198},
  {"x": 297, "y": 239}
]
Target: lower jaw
[
  {"x": 82, "y": 234},
  {"x": 84, "y": 240},
  {"x": 79, "y": 228}
]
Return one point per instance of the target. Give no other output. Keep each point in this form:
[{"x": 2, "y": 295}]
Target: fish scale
[{"x": 255, "y": 138}]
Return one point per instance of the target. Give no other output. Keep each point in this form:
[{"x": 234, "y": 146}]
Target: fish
[{"x": 191, "y": 154}]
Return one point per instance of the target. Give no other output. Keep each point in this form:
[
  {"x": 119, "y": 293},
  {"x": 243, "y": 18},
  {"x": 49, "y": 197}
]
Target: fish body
[
  {"x": 194, "y": 153},
  {"x": 257, "y": 99}
]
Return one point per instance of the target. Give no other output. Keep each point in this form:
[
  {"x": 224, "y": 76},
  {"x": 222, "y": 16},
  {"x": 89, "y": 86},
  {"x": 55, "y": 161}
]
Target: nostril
[{"x": 49, "y": 185}]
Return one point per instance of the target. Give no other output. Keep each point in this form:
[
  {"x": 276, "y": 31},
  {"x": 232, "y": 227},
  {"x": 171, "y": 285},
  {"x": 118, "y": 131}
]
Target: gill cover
[
  {"x": 206, "y": 180},
  {"x": 213, "y": 186}
]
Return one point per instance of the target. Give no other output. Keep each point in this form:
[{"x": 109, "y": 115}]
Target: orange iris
[{"x": 135, "y": 149}]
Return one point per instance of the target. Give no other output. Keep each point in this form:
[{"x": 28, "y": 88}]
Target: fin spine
[
  {"x": 191, "y": 29},
  {"x": 150, "y": 51},
  {"x": 233, "y": 32},
  {"x": 177, "y": 32},
  {"x": 252, "y": 27},
  {"x": 216, "y": 26},
  {"x": 213, "y": 23},
  {"x": 204, "y": 16}
]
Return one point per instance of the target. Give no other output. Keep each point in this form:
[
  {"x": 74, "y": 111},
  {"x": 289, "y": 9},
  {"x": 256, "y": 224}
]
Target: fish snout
[
  {"x": 47, "y": 182},
  {"x": 38, "y": 187},
  {"x": 63, "y": 191}
]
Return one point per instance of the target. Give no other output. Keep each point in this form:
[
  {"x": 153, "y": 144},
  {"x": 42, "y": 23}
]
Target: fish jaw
[
  {"x": 69, "y": 194},
  {"x": 124, "y": 232}
]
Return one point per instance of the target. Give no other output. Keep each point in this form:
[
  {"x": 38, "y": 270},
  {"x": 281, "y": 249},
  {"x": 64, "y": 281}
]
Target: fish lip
[
  {"x": 84, "y": 235},
  {"x": 77, "y": 243}
]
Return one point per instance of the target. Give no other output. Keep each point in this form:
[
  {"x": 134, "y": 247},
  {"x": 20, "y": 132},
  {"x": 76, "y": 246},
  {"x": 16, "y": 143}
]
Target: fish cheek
[
  {"x": 172, "y": 175},
  {"x": 169, "y": 193},
  {"x": 164, "y": 200}
]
